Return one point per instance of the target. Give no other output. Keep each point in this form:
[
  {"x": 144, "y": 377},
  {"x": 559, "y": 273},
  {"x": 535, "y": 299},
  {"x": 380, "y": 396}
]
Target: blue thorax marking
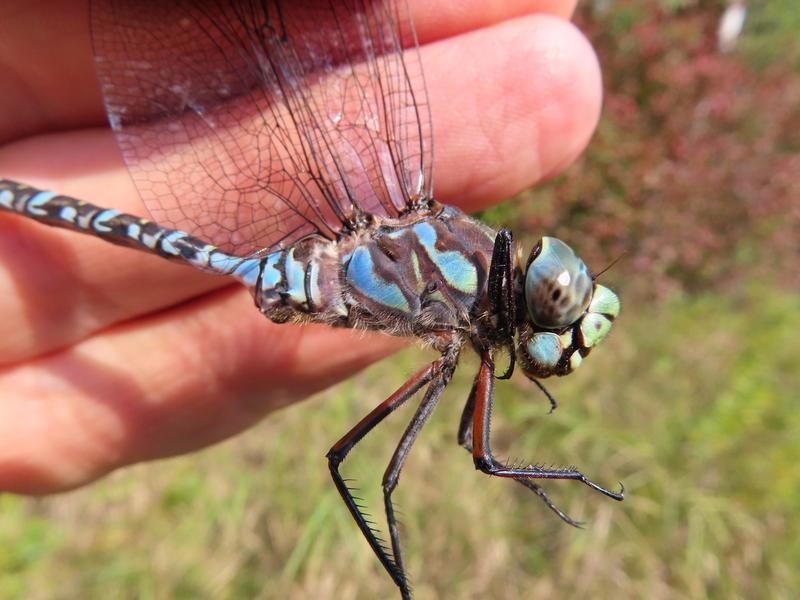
[
  {"x": 361, "y": 274},
  {"x": 457, "y": 271}
]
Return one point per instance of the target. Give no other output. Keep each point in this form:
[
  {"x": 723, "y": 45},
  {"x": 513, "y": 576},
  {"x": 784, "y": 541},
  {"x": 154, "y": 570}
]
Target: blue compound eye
[{"x": 558, "y": 287}]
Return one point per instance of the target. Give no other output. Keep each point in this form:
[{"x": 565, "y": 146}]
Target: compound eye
[{"x": 558, "y": 286}]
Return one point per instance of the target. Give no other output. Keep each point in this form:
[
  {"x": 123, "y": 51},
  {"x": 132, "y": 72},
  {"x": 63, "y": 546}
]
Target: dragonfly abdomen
[
  {"x": 115, "y": 226},
  {"x": 301, "y": 283}
]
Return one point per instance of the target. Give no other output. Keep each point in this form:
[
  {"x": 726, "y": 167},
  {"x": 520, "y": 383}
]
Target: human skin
[{"x": 109, "y": 356}]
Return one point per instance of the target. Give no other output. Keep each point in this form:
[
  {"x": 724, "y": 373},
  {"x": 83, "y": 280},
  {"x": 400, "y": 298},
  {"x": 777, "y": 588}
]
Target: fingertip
[
  {"x": 512, "y": 104},
  {"x": 573, "y": 76}
]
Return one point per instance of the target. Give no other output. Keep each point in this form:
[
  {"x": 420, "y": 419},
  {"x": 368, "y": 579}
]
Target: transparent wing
[{"x": 253, "y": 124}]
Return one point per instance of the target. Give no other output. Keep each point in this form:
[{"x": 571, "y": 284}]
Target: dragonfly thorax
[{"x": 422, "y": 274}]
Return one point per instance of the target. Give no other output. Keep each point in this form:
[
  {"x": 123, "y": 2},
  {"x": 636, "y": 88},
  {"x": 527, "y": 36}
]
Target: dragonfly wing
[{"x": 252, "y": 124}]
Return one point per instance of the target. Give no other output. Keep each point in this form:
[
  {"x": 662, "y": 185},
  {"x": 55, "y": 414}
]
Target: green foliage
[
  {"x": 691, "y": 403},
  {"x": 772, "y": 34}
]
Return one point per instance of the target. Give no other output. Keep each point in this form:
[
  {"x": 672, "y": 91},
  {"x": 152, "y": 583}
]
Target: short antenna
[{"x": 611, "y": 264}]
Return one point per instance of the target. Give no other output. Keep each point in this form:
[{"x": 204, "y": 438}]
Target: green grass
[
  {"x": 692, "y": 403},
  {"x": 770, "y": 33}
]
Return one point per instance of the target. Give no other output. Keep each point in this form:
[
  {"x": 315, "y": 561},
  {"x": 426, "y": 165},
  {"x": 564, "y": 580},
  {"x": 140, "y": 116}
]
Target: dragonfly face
[{"x": 566, "y": 312}]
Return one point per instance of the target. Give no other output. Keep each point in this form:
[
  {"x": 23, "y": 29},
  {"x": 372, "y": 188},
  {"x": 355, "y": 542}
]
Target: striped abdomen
[
  {"x": 279, "y": 281},
  {"x": 115, "y": 227}
]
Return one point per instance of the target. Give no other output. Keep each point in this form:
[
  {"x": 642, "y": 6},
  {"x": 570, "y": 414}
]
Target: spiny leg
[
  {"x": 465, "y": 440},
  {"x": 342, "y": 448},
  {"x": 480, "y": 404},
  {"x": 392, "y": 474},
  {"x": 481, "y": 451}
]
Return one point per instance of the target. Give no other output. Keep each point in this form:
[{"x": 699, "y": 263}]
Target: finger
[
  {"x": 47, "y": 66},
  {"x": 500, "y": 124},
  {"x": 434, "y": 21},
  {"x": 164, "y": 385},
  {"x": 512, "y": 104}
]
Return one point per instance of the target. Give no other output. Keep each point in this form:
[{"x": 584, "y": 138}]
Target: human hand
[{"x": 109, "y": 356}]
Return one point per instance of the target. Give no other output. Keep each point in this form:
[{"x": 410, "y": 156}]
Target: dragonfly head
[{"x": 567, "y": 312}]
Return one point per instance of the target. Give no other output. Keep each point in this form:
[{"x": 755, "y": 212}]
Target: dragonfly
[{"x": 288, "y": 145}]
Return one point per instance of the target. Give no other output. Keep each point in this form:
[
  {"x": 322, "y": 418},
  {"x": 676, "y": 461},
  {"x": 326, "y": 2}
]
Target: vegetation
[
  {"x": 699, "y": 421},
  {"x": 692, "y": 402}
]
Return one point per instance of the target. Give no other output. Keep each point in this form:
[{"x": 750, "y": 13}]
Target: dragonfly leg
[
  {"x": 465, "y": 440},
  {"x": 481, "y": 407},
  {"x": 392, "y": 474},
  {"x": 438, "y": 371}
]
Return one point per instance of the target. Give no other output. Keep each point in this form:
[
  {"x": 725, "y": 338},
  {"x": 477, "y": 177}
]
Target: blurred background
[{"x": 694, "y": 174}]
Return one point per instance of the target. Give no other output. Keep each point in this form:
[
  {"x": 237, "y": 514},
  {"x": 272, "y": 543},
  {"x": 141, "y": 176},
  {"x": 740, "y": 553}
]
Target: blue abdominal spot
[
  {"x": 37, "y": 201},
  {"x": 247, "y": 272},
  {"x": 167, "y": 242},
  {"x": 271, "y": 276},
  {"x": 101, "y": 218},
  {"x": 362, "y": 276},
  {"x": 295, "y": 278},
  {"x": 7, "y": 199}
]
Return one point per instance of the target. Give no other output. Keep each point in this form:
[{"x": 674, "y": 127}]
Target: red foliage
[{"x": 695, "y": 169}]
